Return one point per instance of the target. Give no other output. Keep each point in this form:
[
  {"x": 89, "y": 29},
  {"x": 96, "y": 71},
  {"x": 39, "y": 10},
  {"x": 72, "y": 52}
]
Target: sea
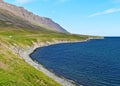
[{"x": 92, "y": 63}]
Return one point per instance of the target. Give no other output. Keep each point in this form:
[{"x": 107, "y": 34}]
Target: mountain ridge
[{"x": 32, "y": 18}]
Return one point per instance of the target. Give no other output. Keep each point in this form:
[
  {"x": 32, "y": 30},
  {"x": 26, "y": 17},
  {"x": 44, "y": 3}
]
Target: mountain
[{"x": 18, "y": 16}]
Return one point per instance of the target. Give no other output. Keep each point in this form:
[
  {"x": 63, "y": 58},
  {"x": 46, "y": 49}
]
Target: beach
[{"x": 25, "y": 54}]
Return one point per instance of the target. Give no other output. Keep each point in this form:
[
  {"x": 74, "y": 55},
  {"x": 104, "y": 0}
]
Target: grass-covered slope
[{"x": 14, "y": 71}]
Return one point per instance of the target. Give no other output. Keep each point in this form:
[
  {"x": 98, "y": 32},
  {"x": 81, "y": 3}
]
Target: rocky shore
[{"x": 25, "y": 54}]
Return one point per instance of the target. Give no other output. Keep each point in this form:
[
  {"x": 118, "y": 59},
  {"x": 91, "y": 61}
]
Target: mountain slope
[
  {"x": 19, "y": 33},
  {"x": 33, "y": 19},
  {"x": 14, "y": 71}
]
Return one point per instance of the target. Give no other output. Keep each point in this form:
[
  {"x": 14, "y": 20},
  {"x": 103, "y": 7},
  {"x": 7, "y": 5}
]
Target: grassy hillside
[
  {"x": 23, "y": 37},
  {"x": 14, "y": 71}
]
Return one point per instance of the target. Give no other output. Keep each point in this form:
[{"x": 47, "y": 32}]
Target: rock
[{"x": 32, "y": 18}]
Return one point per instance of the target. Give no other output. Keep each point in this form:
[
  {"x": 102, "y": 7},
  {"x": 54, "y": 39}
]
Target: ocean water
[{"x": 92, "y": 63}]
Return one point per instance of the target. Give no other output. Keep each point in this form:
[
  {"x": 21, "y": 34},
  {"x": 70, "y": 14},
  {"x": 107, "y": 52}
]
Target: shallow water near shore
[{"x": 92, "y": 63}]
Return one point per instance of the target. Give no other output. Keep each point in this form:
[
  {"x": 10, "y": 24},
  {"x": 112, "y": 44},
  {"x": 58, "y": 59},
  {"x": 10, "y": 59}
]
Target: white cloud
[
  {"x": 108, "y": 11},
  {"x": 116, "y": 1},
  {"x": 23, "y": 1}
]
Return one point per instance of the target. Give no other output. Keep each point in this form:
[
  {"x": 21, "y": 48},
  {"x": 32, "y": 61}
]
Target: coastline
[{"x": 25, "y": 54}]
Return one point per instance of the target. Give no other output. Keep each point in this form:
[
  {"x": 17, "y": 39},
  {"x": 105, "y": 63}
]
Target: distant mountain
[{"x": 21, "y": 17}]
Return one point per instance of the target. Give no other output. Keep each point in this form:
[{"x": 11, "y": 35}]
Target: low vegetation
[{"x": 14, "y": 71}]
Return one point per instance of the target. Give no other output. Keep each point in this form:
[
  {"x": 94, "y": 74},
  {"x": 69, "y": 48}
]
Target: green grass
[
  {"x": 14, "y": 71},
  {"x": 23, "y": 37}
]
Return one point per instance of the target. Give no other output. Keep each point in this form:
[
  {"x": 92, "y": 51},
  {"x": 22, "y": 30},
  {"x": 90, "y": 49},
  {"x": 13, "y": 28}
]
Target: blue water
[{"x": 92, "y": 63}]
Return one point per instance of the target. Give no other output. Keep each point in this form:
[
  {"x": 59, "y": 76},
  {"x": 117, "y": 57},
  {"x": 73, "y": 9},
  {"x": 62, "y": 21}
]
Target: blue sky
[{"x": 92, "y": 17}]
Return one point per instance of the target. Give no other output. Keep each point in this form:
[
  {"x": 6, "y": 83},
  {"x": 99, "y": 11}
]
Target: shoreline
[{"x": 25, "y": 54}]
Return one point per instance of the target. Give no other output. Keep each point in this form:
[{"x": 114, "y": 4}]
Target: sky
[{"x": 89, "y": 17}]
